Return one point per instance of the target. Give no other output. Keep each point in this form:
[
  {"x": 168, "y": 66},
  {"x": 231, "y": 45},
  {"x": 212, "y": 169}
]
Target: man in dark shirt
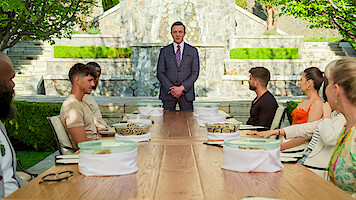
[{"x": 264, "y": 105}]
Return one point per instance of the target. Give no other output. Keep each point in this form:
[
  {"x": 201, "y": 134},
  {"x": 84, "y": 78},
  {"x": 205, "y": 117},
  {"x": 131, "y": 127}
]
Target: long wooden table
[{"x": 176, "y": 164}]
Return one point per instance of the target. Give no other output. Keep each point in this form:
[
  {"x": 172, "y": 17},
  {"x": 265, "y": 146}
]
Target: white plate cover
[
  {"x": 210, "y": 118},
  {"x": 251, "y": 160},
  {"x": 153, "y": 111},
  {"x": 136, "y": 138},
  {"x": 205, "y": 110}
]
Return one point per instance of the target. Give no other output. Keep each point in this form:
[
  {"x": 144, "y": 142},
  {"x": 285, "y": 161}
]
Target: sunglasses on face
[{"x": 53, "y": 177}]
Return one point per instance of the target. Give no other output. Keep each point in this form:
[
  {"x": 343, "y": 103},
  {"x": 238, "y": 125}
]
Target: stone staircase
[
  {"x": 319, "y": 54},
  {"x": 29, "y": 60}
]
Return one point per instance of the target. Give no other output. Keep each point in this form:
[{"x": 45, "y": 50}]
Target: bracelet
[{"x": 279, "y": 131}]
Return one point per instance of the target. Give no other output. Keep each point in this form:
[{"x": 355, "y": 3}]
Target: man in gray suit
[
  {"x": 9, "y": 181},
  {"x": 177, "y": 70}
]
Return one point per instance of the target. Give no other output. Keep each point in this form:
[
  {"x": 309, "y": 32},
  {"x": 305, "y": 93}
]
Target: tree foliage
[
  {"x": 339, "y": 14},
  {"x": 39, "y": 19}
]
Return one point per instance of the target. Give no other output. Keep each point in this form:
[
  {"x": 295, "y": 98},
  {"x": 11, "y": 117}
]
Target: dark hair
[
  {"x": 79, "y": 69},
  {"x": 94, "y": 64},
  {"x": 178, "y": 23},
  {"x": 262, "y": 74},
  {"x": 314, "y": 74},
  {"x": 326, "y": 83}
]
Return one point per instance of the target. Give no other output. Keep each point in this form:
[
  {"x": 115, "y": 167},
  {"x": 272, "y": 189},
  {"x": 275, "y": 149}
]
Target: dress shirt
[{"x": 175, "y": 46}]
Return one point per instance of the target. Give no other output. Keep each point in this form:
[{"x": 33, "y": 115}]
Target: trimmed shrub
[
  {"x": 264, "y": 53},
  {"x": 291, "y": 105},
  {"x": 91, "y": 52},
  {"x": 31, "y": 130},
  {"x": 242, "y": 3},
  {"x": 319, "y": 38},
  {"x": 107, "y": 4},
  {"x": 93, "y": 31}
]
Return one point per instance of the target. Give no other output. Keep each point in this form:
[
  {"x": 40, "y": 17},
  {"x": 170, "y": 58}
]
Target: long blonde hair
[{"x": 344, "y": 74}]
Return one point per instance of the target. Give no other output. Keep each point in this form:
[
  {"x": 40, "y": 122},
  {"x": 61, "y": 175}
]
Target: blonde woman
[{"x": 341, "y": 93}]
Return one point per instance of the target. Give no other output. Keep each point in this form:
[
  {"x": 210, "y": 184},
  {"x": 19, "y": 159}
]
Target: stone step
[
  {"x": 23, "y": 57},
  {"x": 326, "y": 53},
  {"x": 26, "y": 84},
  {"x": 31, "y": 42},
  {"x": 16, "y": 59},
  {"x": 23, "y": 49},
  {"x": 12, "y": 52},
  {"x": 320, "y": 44},
  {"x": 27, "y": 62},
  {"x": 30, "y": 69},
  {"x": 314, "y": 49},
  {"x": 316, "y": 58}
]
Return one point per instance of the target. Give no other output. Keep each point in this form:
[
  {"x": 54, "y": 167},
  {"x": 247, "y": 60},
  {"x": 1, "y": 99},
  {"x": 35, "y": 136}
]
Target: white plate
[{"x": 250, "y": 127}]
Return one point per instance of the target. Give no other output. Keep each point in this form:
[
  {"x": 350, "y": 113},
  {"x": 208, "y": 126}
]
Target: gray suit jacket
[
  {"x": 17, "y": 178},
  {"x": 170, "y": 75}
]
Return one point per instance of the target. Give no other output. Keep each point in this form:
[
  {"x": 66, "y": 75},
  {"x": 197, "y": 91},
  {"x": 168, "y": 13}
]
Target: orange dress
[{"x": 300, "y": 116}]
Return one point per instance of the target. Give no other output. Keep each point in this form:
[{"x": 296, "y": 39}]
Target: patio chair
[
  {"x": 60, "y": 134},
  {"x": 278, "y": 119},
  {"x": 24, "y": 174}
]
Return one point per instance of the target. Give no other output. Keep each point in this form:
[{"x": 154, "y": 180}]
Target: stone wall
[
  {"x": 91, "y": 40},
  {"x": 267, "y": 41},
  {"x": 116, "y": 78},
  {"x": 209, "y": 81},
  {"x": 149, "y": 21},
  {"x": 144, "y": 59},
  {"x": 285, "y": 75},
  {"x": 109, "y": 85},
  {"x": 248, "y": 24}
]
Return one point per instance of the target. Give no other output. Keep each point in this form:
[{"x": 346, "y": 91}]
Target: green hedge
[
  {"x": 264, "y": 53},
  {"x": 291, "y": 105},
  {"x": 319, "y": 38},
  {"x": 242, "y": 3},
  {"x": 31, "y": 130},
  {"x": 91, "y": 52}
]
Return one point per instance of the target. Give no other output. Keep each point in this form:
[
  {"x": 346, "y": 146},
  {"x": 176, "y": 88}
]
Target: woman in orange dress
[{"x": 310, "y": 109}]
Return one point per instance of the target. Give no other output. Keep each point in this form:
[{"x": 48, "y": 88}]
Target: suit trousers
[{"x": 184, "y": 105}]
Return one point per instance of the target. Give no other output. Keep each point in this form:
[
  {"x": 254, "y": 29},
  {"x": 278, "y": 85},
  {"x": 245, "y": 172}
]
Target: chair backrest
[
  {"x": 278, "y": 117},
  {"x": 60, "y": 134}
]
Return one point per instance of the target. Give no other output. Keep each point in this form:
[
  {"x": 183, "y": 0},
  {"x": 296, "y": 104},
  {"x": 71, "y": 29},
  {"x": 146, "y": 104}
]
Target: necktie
[{"x": 178, "y": 56}]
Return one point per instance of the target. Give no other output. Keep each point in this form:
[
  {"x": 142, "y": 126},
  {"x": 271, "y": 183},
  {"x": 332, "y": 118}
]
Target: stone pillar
[
  {"x": 97, "y": 9},
  {"x": 144, "y": 66}
]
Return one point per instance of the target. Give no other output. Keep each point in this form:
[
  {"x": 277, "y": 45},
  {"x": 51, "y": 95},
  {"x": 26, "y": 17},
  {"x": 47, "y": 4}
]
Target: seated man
[
  {"x": 89, "y": 99},
  {"x": 9, "y": 181},
  {"x": 264, "y": 105},
  {"x": 76, "y": 114}
]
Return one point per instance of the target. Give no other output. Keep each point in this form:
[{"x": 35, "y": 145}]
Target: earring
[
  {"x": 335, "y": 101},
  {"x": 308, "y": 88}
]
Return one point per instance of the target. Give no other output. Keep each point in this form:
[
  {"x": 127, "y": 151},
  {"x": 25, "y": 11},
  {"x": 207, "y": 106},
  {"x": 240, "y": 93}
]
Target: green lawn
[{"x": 30, "y": 158}]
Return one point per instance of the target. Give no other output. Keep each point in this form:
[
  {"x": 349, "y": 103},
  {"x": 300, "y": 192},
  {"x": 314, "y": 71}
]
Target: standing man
[
  {"x": 9, "y": 181},
  {"x": 177, "y": 70},
  {"x": 76, "y": 114},
  {"x": 264, "y": 105},
  {"x": 89, "y": 99}
]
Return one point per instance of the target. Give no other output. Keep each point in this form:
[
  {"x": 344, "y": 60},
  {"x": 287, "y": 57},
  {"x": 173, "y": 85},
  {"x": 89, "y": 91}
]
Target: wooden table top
[{"x": 177, "y": 165}]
